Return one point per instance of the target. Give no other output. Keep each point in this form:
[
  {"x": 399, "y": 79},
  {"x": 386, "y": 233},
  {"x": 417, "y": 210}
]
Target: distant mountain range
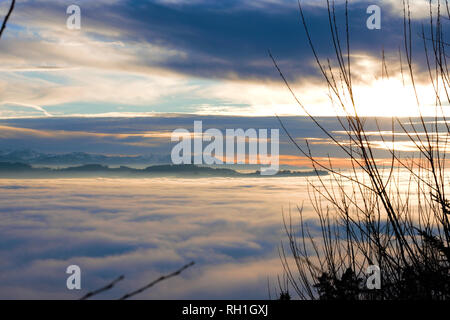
[
  {"x": 21, "y": 170},
  {"x": 78, "y": 158}
]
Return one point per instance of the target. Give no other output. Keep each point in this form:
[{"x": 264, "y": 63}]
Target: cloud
[
  {"x": 151, "y": 134},
  {"x": 103, "y": 230},
  {"x": 181, "y": 56}
]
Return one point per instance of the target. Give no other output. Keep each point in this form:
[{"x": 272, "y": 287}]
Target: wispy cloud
[{"x": 185, "y": 56}]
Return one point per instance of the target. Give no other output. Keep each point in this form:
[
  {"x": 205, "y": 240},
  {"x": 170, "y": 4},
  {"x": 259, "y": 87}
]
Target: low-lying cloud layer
[{"x": 143, "y": 228}]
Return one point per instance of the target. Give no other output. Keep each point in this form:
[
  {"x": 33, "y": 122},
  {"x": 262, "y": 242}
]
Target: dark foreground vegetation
[{"x": 396, "y": 217}]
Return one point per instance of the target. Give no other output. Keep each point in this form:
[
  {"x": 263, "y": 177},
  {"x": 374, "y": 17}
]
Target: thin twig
[
  {"x": 105, "y": 288},
  {"x": 11, "y": 8},
  {"x": 162, "y": 278}
]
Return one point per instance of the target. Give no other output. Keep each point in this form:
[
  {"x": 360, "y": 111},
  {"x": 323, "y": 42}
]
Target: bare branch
[
  {"x": 11, "y": 8},
  {"x": 151, "y": 284},
  {"x": 105, "y": 288}
]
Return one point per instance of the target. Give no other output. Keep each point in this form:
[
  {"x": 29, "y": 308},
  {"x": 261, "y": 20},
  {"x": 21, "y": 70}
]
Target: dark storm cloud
[{"x": 231, "y": 38}]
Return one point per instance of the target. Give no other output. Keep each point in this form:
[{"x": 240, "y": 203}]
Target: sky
[
  {"x": 136, "y": 71},
  {"x": 125, "y": 136},
  {"x": 141, "y": 58}
]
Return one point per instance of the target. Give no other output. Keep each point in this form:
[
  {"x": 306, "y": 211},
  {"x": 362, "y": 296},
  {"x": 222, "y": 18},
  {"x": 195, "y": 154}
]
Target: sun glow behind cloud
[{"x": 141, "y": 68}]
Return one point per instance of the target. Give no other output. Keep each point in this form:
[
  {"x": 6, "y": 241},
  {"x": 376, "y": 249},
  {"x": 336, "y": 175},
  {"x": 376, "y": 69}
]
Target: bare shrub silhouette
[{"x": 393, "y": 214}]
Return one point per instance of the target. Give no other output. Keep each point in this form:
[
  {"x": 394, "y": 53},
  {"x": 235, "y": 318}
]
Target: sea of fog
[{"x": 142, "y": 228}]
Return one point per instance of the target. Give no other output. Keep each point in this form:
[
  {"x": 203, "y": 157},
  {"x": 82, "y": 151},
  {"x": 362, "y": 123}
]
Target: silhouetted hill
[
  {"x": 77, "y": 158},
  {"x": 21, "y": 170},
  {"x": 15, "y": 166}
]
